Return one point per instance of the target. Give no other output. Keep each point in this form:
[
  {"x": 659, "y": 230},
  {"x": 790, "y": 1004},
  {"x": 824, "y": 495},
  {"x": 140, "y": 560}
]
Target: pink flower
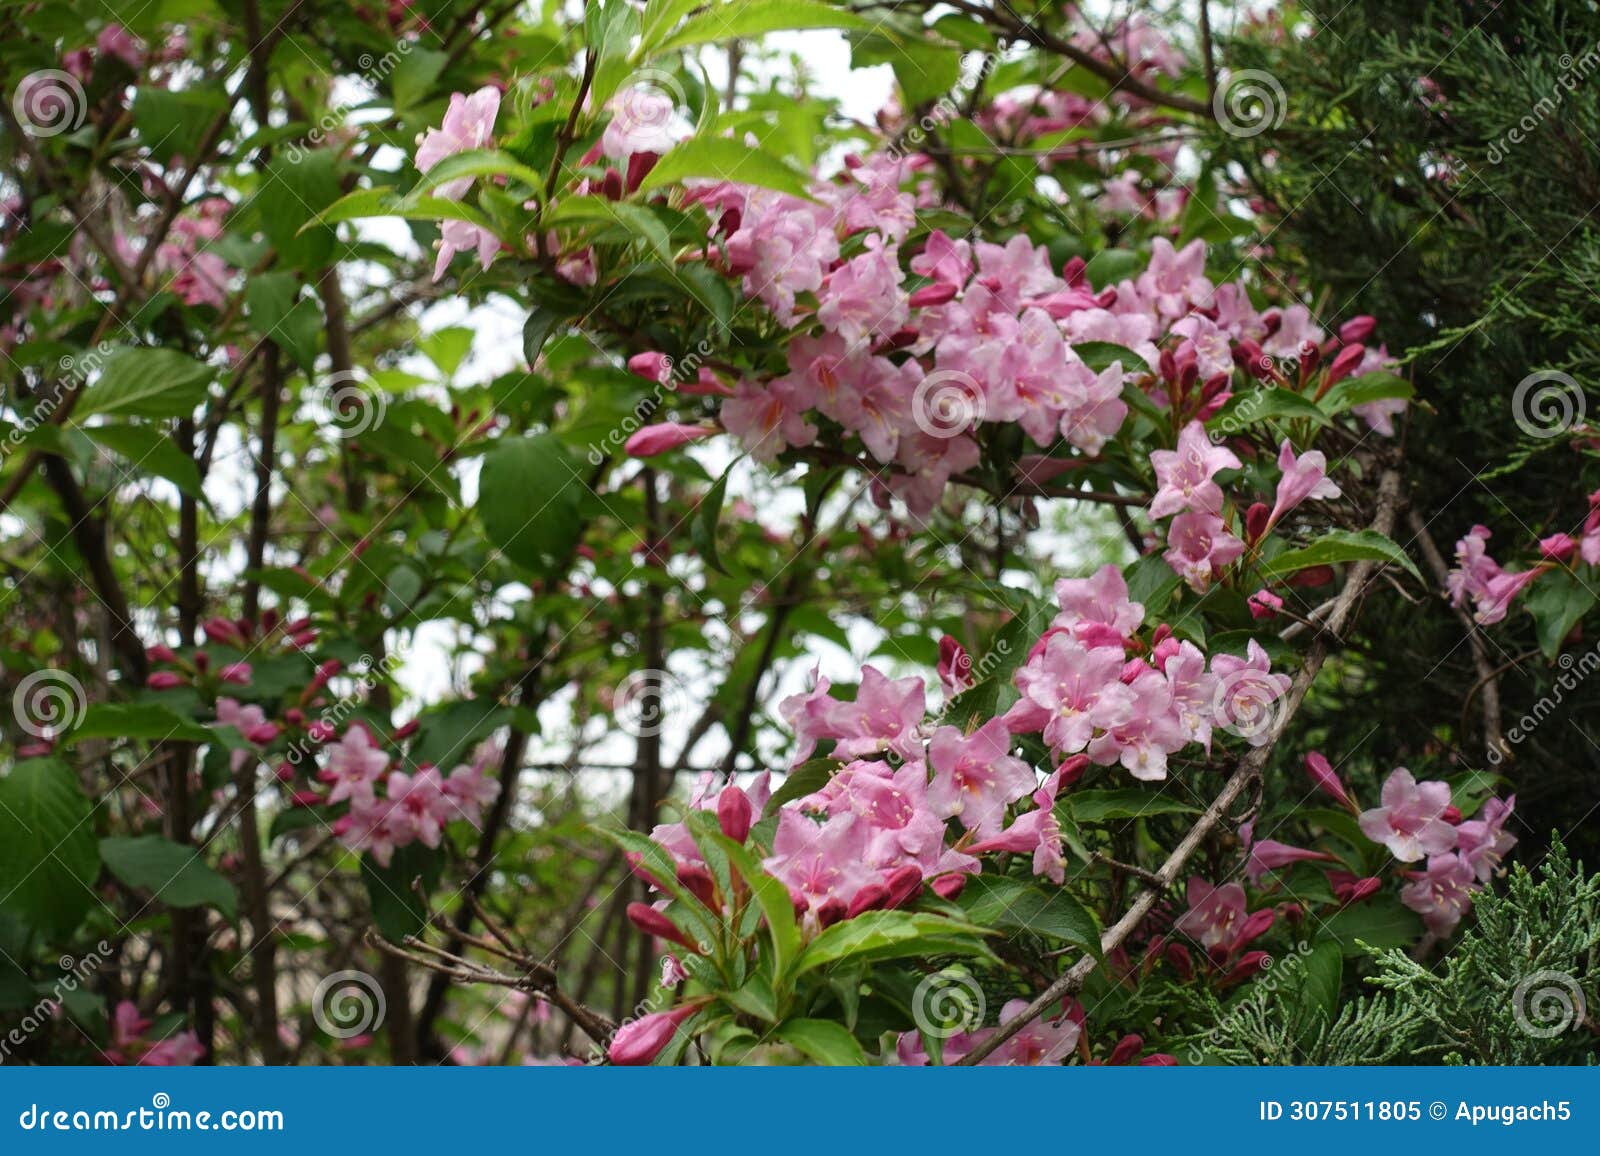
[
  {"x": 1039, "y": 831},
  {"x": 1409, "y": 821},
  {"x": 468, "y": 124},
  {"x": 1303, "y": 477},
  {"x": 1185, "y": 475},
  {"x": 664, "y": 436},
  {"x": 1217, "y": 918},
  {"x": 1199, "y": 546},
  {"x": 975, "y": 777},
  {"x": 819, "y": 863},
  {"x": 355, "y": 764},
  {"x": 643, "y": 120},
  {"x": 460, "y": 237},
  {"x": 1102, "y": 598},
  {"x": 1247, "y": 690},
  {"x": 886, "y": 715},
  {"x": 763, "y": 422},
  {"x": 1269, "y": 855},
  {"x": 863, "y": 299},
  {"x": 1068, "y": 692},
  {"x": 783, "y": 246},
  {"x": 1483, "y": 842},
  {"x": 1441, "y": 894},
  {"x": 115, "y": 40}
]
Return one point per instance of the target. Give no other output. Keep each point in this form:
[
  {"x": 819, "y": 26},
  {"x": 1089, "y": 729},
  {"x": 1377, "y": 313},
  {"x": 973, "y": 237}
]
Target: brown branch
[{"x": 1250, "y": 768}]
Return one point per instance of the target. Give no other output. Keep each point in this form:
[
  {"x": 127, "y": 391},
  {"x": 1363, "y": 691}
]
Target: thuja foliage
[
  {"x": 1435, "y": 164},
  {"x": 1520, "y": 987}
]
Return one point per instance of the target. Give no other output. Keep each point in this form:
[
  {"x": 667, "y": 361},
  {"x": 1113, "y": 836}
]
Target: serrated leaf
[
  {"x": 1369, "y": 387},
  {"x": 48, "y": 855},
  {"x": 529, "y": 494},
  {"x": 1090, "y": 807},
  {"x": 147, "y": 382},
  {"x": 823, "y": 1041},
  {"x": 151, "y": 451},
  {"x": 750, "y": 19},
  {"x": 1001, "y": 901},
  {"x": 173, "y": 874},
  {"x": 1339, "y": 546},
  {"x": 721, "y": 158},
  {"x": 145, "y": 720}
]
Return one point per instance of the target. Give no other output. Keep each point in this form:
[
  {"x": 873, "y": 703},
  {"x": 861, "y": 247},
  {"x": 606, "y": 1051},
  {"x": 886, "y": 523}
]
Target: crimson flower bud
[
  {"x": 699, "y": 883},
  {"x": 949, "y": 886},
  {"x": 641, "y": 1041},
  {"x": 831, "y": 911},
  {"x": 1357, "y": 329},
  {"x": 870, "y": 897},
  {"x": 734, "y": 813},
  {"x": 163, "y": 680},
  {"x": 903, "y": 884},
  {"x": 1255, "y": 522},
  {"x": 652, "y": 922},
  {"x": 936, "y": 294}
]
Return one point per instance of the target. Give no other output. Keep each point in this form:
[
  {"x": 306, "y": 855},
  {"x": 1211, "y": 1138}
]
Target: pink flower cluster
[
  {"x": 414, "y": 808},
  {"x": 1417, "y": 820},
  {"x": 1491, "y": 589},
  {"x": 468, "y": 124}
]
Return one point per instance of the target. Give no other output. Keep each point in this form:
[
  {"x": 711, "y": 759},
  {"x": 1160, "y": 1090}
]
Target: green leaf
[
  {"x": 173, "y": 122},
  {"x": 1339, "y": 546},
  {"x": 749, "y": 19},
  {"x": 1321, "y": 970},
  {"x": 638, "y": 221},
  {"x": 1090, "y": 807},
  {"x": 1109, "y": 266},
  {"x": 1001, "y": 901},
  {"x": 721, "y": 158},
  {"x": 823, "y": 1041},
  {"x": 145, "y": 720},
  {"x": 1369, "y": 387},
  {"x": 810, "y": 776},
  {"x": 880, "y": 935},
  {"x": 152, "y": 451},
  {"x": 529, "y": 494},
  {"x": 1102, "y": 355},
  {"x": 48, "y": 855},
  {"x": 703, "y": 530},
  {"x": 397, "y": 909},
  {"x": 1380, "y": 922},
  {"x": 1255, "y": 406},
  {"x": 776, "y": 906},
  {"x": 1557, "y": 601},
  {"x": 173, "y": 874},
  {"x": 474, "y": 163},
  {"x": 147, "y": 382},
  {"x": 366, "y": 203}
]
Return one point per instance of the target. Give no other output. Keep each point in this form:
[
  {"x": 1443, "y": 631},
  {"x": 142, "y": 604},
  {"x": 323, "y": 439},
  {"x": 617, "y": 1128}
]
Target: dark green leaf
[{"x": 173, "y": 874}]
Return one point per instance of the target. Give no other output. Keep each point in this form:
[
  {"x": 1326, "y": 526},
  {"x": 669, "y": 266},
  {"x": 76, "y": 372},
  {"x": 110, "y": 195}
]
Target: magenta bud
[
  {"x": 1357, "y": 329},
  {"x": 936, "y": 294},
  {"x": 1327, "y": 780},
  {"x": 1345, "y": 363},
  {"x": 652, "y": 922},
  {"x": 651, "y": 366},
  {"x": 903, "y": 884},
  {"x": 261, "y": 734},
  {"x": 611, "y": 185},
  {"x": 641, "y": 1040},
  {"x": 831, "y": 911},
  {"x": 869, "y": 898},
  {"x": 1558, "y": 547},
  {"x": 734, "y": 813},
  {"x": 699, "y": 883},
  {"x": 949, "y": 886},
  {"x": 163, "y": 680},
  {"x": 1255, "y": 522},
  {"x": 160, "y": 653},
  {"x": 235, "y": 672}
]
